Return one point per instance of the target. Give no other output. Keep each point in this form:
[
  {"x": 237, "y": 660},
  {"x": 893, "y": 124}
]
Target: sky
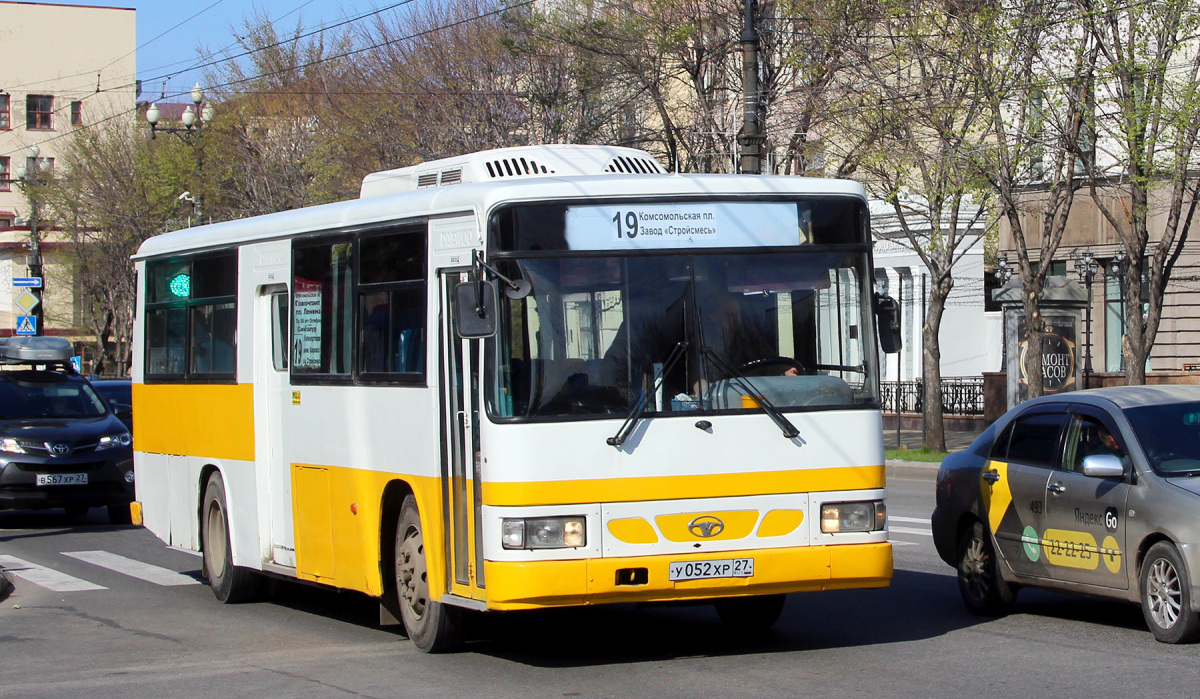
[{"x": 169, "y": 32}]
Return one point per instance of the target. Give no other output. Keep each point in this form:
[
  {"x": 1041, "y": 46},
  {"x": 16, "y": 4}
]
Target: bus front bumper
[{"x": 539, "y": 584}]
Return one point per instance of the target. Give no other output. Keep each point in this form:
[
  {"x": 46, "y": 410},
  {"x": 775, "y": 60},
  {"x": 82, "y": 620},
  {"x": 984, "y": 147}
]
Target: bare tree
[
  {"x": 1034, "y": 76},
  {"x": 115, "y": 190},
  {"x": 273, "y": 146},
  {"x": 813, "y": 51},
  {"x": 1147, "y": 124},
  {"x": 926, "y": 118}
]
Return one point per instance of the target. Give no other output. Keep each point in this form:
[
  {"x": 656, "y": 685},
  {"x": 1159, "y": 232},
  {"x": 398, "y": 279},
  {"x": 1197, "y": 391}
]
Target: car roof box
[{"x": 35, "y": 350}]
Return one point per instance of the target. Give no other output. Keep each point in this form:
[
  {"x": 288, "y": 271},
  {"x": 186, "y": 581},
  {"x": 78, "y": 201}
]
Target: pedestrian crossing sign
[{"x": 27, "y": 325}]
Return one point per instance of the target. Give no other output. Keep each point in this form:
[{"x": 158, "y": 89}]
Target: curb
[
  {"x": 913, "y": 470},
  {"x": 6, "y": 586}
]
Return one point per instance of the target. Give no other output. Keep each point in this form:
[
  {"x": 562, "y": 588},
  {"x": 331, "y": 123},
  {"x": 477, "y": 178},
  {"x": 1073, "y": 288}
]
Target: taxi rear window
[{"x": 1034, "y": 440}]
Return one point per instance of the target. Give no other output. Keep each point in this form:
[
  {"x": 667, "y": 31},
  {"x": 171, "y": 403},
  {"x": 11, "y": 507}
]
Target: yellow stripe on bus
[
  {"x": 213, "y": 420},
  {"x": 601, "y": 490}
]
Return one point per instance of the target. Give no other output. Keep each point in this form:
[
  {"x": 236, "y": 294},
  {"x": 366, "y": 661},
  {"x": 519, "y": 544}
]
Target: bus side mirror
[
  {"x": 475, "y": 309},
  {"x": 887, "y": 318}
]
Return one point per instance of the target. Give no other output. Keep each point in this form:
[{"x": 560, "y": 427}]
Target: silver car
[{"x": 1096, "y": 492}]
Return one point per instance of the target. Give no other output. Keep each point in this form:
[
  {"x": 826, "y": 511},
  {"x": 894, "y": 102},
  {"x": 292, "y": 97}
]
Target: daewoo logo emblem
[
  {"x": 60, "y": 449},
  {"x": 706, "y": 526}
]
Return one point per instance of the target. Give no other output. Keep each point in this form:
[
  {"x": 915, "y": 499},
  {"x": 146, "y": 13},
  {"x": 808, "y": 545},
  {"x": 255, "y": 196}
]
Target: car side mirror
[
  {"x": 122, "y": 411},
  {"x": 1103, "y": 466},
  {"x": 887, "y": 318},
  {"x": 475, "y": 309}
]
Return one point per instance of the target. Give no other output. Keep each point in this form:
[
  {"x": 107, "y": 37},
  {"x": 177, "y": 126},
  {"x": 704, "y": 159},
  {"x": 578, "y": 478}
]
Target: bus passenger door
[
  {"x": 270, "y": 382},
  {"x": 461, "y": 465}
]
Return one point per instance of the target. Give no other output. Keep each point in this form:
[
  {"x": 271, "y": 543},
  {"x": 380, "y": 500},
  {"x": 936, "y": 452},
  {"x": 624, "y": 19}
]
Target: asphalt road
[{"x": 148, "y": 633}]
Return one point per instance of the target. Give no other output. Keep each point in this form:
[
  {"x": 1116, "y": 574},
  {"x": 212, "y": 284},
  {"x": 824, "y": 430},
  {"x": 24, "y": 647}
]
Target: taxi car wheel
[
  {"x": 431, "y": 626},
  {"x": 1167, "y": 596},
  {"x": 750, "y": 614},
  {"x": 229, "y": 583},
  {"x": 983, "y": 590}
]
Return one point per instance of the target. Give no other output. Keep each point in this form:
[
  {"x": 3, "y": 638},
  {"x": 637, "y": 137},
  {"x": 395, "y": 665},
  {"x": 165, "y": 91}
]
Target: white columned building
[{"x": 970, "y": 338}]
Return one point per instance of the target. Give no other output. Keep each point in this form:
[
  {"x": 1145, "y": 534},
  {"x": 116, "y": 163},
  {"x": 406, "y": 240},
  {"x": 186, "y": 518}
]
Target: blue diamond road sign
[
  {"x": 27, "y": 325},
  {"x": 31, "y": 282}
]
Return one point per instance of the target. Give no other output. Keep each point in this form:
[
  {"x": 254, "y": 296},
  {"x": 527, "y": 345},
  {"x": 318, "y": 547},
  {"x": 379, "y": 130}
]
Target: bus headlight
[
  {"x": 853, "y": 517},
  {"x": 544, "y": 533}
]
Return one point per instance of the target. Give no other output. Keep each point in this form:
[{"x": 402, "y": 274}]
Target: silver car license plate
[
  {"x": 62, "y": 479},
  {"x": 700, "y": 570}
]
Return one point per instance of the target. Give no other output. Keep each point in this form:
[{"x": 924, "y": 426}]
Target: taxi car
[
  {"x": 61, "y": 445},
  {"x": 1095, "y": 492}
]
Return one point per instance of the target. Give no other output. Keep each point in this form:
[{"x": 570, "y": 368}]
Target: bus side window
[
  {"x": 391, "y": 304},
  {"x": 322, "y": 311},
  {"x": 279, "y": 330},
  {"x": 191, "y": 308}
]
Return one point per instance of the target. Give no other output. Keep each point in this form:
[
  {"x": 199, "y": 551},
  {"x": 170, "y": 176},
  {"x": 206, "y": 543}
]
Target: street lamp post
[
  {"x": 1003, "y": 273},
  {"x": 1086, "y": 267},
  {"x": 188, "y": 134},
  {"x": 30, "y": 177},
  {"x": 1117, "y": 267}
]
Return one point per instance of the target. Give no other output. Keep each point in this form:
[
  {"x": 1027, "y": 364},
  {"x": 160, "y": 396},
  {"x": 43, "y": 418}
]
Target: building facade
[
  {"x": 970, "y": 337},
  {"x": 69, "y": 67},
  {"x": 1177, "y": 346}
]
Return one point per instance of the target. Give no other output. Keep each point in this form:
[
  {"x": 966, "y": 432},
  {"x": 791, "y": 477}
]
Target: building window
[
  {"x": 1114, "y": 317},
  {"x": 5, "y": 122},
  {"x": 39, "y": 112},
  {"x": 76, "y": 113},
  {"x": 191, "y": 315},
  {"x": 5, "y": 181}
]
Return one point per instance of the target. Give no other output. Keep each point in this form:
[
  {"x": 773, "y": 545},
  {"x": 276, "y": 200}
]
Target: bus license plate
[
  {"x": 62, "y": 479},
  {"x": 699, "y": 570}
]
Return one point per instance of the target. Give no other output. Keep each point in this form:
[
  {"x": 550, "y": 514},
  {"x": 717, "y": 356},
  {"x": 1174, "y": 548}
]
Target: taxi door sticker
[
  {"x": 1074, "y": 549},
  {"x": 997, "y": 497}
]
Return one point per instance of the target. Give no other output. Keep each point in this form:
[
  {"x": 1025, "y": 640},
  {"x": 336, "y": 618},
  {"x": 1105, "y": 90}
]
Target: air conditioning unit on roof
[{"x": 506, "y": 164}]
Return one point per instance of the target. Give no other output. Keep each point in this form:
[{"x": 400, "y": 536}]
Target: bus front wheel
[
  {"x": 229, "y": 583},
  {"x": 750, "y": 614},
  {"x": 430, "y": 625}
]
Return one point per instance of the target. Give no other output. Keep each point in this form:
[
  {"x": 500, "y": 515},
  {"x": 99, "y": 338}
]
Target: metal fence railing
[{"x": 961, "y": 395}]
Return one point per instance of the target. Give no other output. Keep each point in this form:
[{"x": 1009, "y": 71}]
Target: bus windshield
[{"x": 595, "y": 333}]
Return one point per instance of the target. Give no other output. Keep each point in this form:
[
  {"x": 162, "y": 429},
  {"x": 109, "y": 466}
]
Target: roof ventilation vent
[
  {"x": 634, "y": 166},
  {"x": 453, "y": 176},
  {"x": 427, "y": 179},
  {"x": 516, "y": 167}
]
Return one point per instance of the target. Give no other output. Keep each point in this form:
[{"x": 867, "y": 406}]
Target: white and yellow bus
[{"x": 518, "y": 379}]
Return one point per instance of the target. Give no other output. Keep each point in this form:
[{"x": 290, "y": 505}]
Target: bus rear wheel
[
  {"x": 431, "y": 625},
  {"x": 229, "y": 583}
]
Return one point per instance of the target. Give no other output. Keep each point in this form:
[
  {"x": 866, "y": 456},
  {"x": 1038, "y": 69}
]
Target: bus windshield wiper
[
  {"x": 785, "y": 425},
  {"x": 635, "y": 413}
]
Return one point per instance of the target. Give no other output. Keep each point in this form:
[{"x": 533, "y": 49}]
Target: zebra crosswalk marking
[
  {"x": 46, "y": 577},
  {"x": 132, "y": 568},
  {"x": 910, "y": 530}
]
